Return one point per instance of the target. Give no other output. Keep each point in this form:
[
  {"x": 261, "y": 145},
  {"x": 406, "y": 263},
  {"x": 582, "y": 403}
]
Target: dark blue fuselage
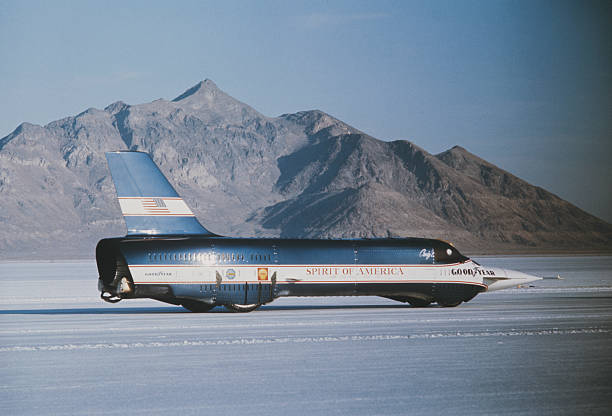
[{"x": 227, "y": 257}]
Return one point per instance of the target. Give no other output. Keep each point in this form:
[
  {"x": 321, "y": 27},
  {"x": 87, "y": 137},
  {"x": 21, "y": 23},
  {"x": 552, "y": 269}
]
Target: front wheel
[
  {"x": 234, "y": 307},
  {"x": 195, "y": 306},
  {"x": 448, "y": 303}
]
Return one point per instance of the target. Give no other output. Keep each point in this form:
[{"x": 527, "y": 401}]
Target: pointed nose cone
[{"x": 509, "y": 278}]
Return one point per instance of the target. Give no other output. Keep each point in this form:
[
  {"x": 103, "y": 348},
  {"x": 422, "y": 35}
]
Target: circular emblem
[{"x": 230, "y": 274}]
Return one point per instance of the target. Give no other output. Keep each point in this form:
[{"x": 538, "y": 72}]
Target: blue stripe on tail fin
[{"x": 149, "y": 204}]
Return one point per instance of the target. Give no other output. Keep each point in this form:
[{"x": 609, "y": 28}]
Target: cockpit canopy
[{"x": 445, "y": 253}]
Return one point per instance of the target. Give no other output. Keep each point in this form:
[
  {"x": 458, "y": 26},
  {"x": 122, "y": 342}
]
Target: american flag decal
[{"x": 155, "y": 206}]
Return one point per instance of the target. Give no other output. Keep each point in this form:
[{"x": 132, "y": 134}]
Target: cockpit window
[{"x": 445, "y": 253}]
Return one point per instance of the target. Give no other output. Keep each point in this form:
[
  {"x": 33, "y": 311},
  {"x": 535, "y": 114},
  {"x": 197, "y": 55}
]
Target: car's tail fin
[{"x": 149, "y": 204}]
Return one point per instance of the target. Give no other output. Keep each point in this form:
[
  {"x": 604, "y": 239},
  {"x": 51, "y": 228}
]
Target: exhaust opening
[
  {"x": 107, "y": 252},
  {"x": 114, "y": 274}
]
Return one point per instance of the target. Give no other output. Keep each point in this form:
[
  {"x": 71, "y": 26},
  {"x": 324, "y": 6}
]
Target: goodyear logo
[
  {"x": 230, "y": 274},
  {"x": 472, "y": 272}
]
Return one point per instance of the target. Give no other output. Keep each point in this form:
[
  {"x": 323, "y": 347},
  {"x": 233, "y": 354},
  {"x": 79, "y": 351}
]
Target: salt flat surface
[{"x": 535, "y": 351}]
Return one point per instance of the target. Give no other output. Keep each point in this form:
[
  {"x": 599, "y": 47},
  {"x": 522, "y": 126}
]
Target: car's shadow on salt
[
  {"x": 94, "y": 311},
  {"x": 323, "y": 307},
  {"x": 181, "y": 310}
]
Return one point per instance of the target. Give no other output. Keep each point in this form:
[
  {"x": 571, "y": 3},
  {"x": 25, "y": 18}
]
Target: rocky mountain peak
[
  {"x": 458, "y": 154},
  {"x": 23, "y": 130},
  {"x": 116, "y": 107},
  {"x": 487, "y": 174},
  {"x": 468, "y": 163},
  {"x": 211, "y": 104},
  {"x": 202, "y": 88},
  {"x": 316, "y": 121}
]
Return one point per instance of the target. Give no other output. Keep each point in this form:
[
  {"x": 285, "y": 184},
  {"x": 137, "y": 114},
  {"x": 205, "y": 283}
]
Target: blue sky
[{"x": 526, "y": 85}]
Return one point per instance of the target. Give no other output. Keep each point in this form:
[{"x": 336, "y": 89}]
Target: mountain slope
[
  {"x": 296, "y": 175},
  {"x": 536, "y": 216}
]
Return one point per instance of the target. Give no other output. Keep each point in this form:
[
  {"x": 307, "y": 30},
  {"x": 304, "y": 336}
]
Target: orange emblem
[{"x": 262, "y": 273}]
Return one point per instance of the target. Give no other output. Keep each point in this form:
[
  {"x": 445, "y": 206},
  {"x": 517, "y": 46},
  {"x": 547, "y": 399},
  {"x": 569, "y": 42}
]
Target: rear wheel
[
  {"x": 449, "y": 303},
  {"x": 418, "y": 303},
  {"x": 195, "y": 306},
  {"x": 234, "y": 307}
]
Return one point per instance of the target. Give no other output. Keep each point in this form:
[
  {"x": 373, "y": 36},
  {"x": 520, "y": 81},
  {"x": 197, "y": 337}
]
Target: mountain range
[{"x": 306, "y": 174}]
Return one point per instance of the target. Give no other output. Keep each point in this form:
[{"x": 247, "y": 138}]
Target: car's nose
[{"x": 506, "y": 278}]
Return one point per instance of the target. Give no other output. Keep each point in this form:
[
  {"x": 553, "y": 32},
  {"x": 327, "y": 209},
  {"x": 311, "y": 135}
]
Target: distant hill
[{"x": 296, "y": 175}]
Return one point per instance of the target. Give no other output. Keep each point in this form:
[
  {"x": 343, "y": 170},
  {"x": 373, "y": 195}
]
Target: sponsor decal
[
  {"x": 426, "y": 254},
  {"x": 230, "y": 274},
  {"x": 472, "y": 272},
  {"x": 159, "y": 274},
  {"x": 262, "y": 273}
]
